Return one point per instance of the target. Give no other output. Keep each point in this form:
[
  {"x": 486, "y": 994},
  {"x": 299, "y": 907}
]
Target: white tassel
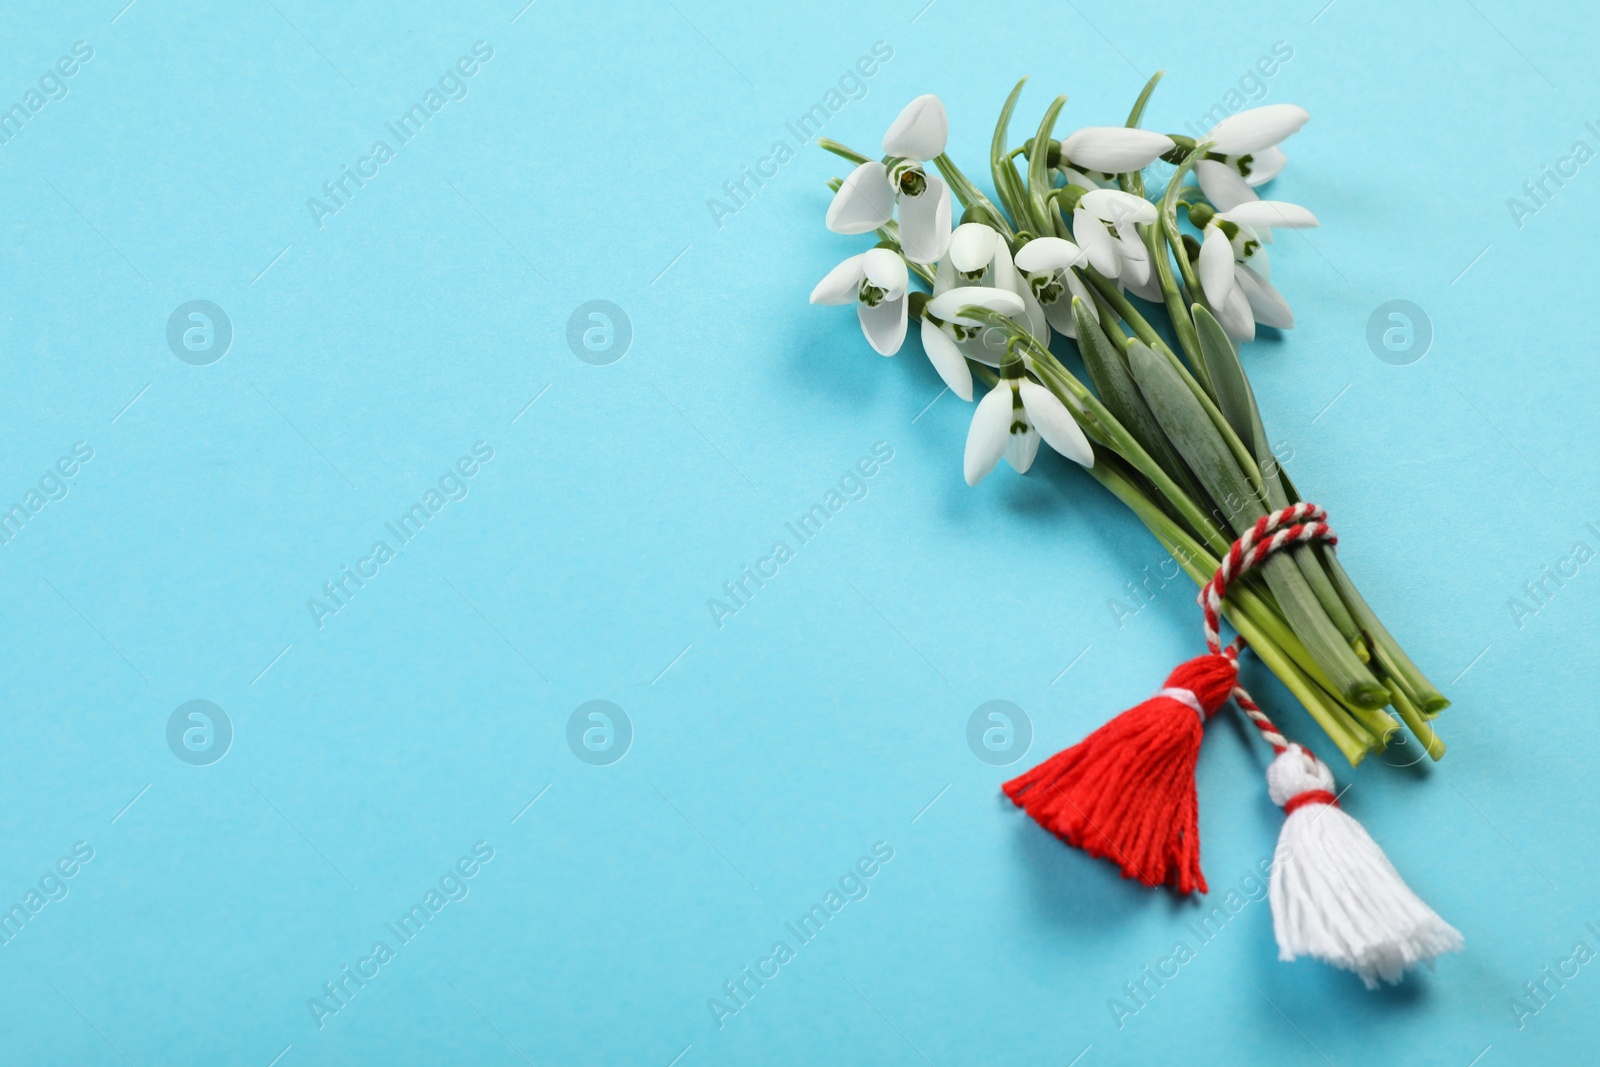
[{"x": 1335, "y": 895}]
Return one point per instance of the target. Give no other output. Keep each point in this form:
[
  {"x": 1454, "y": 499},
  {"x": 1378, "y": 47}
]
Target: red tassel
[{"x": 1126, "y": 792}]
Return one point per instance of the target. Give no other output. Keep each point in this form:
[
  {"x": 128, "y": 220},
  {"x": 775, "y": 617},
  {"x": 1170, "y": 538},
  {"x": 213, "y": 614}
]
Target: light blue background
[{"x": 829, "y": 714}]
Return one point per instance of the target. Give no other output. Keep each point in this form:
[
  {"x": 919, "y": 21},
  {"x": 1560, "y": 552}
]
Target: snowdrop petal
[
  {"x": 1055, "y": 423},
  {"x": 1135, "y": 271},
  {"x": 1033, "y": 318},
  {"x": 884, "y": 325},
  {"x": 946, "y": 357},
  {"x": 1235, "y": 318},
  {"x": 1216, "y": 266},
  {"x": 989, "y": 434},
  {"x": 1059, "y": 315},
  {"x": 1149, "y": 289},
  {"x": 1267, "y": 305},
  {"x": 1276, "y": 213},
  {"x": 925, "y": 223},
  {"x": 921, "y": 130},
  {"x": 1116, "y": 206},
  {"x": 1258, "y": 262},
  {"x": 1021, "y": 448},
  {"x": 886, "y": 270},
  {"x": 1134, "y": 268},
  {"x": 1114, "y": 149},
  {"x": 948, "y": 305},
  {"x": 1099, "y": 245},
  {"x": 1222, "y": 185},
  {"x": 841, "y": 284},
  {"x": 1044, "y": 254},
  {"x": 864, "y": 202},
  {"x": 972, "y": 247},
  {"x": 1257, "y": 128},
  {"x": 1265, "y": 165},
  {"x": 1006, "y": 275},
  {"x": 1078, "y": 178},
  {"x": 944, "y": 277},
  {"x": 988, "y": 348}
]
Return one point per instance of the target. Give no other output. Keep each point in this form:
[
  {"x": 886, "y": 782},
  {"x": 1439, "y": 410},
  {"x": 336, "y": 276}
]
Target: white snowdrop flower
[
  {"x": 1113, "y": 149},
  {"x": 979, "y": 256},
  {"x": 868, "y": 197},
  {"x": 878, "y": 282},
  {"x": 1227, "y": 189},
  {"x": 1103, "y": 222},
  {"x": 973, "y": 247},
  {"x": 1047, "y": 263},
  {"x": 1233, "y": 266},
  {"x": 1223, "y": 185},
  {"x": 1249, "y": 140},
  {"x": 1010, "y": 420},
  {"x": 949, "y": 336}
]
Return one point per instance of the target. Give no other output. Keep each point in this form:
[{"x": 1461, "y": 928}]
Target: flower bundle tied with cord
[{"x": 1173, "y": 431}]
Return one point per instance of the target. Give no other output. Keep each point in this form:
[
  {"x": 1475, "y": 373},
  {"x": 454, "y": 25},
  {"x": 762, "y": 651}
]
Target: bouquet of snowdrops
[{"x": 1172, "y": 429}]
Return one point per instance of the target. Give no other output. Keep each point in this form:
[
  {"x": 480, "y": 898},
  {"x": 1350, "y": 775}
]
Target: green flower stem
[
  {"x": 1261, "y": 610},
  {"x": 1177, "y": 308},
  {"x": 1177, "y": 301},
  {"x": 1420, "y": 727},
  {"x": 845, "y": 151},
  {"x": 1369, "y": 726},
  {"x": 1354, "y": 730},
  {"x": 1167, "y": 220},
  {"x": 1356, "y": 679},
  {"x": 1169, "y": 228},
  {"x": 1358, "y": 686},
  {"x": 1334, "y": 720},
  {"x": 1106, "y": 426},
  {"x": 1191, "y": 280},
  {"x": 1309, "y": 558},
  {"x": 1202, "y": 448},
  {"x": 1377, "y": 722},
  {"x": 1237, "y": 401}
]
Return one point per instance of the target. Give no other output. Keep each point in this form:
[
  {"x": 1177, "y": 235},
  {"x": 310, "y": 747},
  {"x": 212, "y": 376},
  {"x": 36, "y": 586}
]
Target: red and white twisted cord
[{"x": 1286, "y": 528}]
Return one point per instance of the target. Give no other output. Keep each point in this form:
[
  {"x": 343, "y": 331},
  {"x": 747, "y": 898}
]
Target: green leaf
[
  {"x": 1228, "y": 382},
  {"x": 1136, "y": 113},
  {"x": 1007, "y": 184},
  {"x": 1190, "y": 430},
  {"x": 1108, "y": 372},
  {"x": 1039, "y": 172}
]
